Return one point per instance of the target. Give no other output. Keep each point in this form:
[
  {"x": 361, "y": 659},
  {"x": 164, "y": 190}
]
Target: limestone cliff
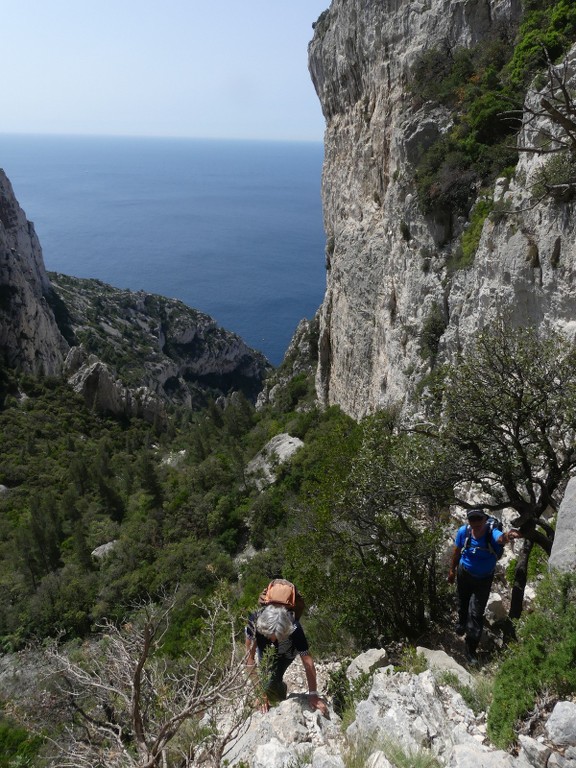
[
  {"x": 387, "y": 263},
  {"x": 29, "y": 336}
]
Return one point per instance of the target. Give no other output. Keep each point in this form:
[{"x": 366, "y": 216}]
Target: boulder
[
  {"x": 563, "y": 556},
  {"x": 322, "y": 758},
  {"x": 273, "y": 755},
  {"x": 367, "y": 663},
  {"x": 533, "y": 751},
  {"x": 477, "y": 756},
  {"x": 262, "y": 468},
  {"x": 439, "y": 662},
  {"x": 495, "y": 608},
  {"x": 378, "y": 760},
  {"x": 411, "y": 711},
  {"x": 285, "y": 732},
  {"x": 104, "y": 549},
  {"x": 561, "y": 725}
]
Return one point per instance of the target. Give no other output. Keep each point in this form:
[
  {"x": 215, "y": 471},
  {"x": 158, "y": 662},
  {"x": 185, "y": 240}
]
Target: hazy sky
[{"x": 198, "y": 68}]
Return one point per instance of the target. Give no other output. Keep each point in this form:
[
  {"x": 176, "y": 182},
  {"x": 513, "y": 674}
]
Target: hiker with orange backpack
[{"x": 274, "y": 637}]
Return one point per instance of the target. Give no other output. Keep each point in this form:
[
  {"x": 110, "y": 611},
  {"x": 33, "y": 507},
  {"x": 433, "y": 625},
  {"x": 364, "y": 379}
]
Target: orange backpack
[{"x": 284, "y": 593}]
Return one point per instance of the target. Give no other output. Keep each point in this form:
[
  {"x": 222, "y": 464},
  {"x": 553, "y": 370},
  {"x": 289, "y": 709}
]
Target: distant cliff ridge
[
  {"x": 126, "y": 352},
  {"x": 389, "y": 277},
  {"x": 178, "y": 354}
]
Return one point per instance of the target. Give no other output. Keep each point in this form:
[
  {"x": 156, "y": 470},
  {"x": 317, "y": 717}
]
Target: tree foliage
[
  {"x": 509, "y": 407},
  {"x": 377, "y": 536},
  {"x": 484, "y": 89}
]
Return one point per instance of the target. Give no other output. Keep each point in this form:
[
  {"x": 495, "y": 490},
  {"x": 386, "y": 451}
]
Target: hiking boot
[
  {"x": 460, "y": 630},
  {"x": 470, "y": 654}
]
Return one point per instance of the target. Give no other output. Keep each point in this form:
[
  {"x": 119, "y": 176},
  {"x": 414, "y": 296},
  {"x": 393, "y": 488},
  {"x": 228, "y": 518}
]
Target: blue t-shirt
[{"x": 477, "y": 558}]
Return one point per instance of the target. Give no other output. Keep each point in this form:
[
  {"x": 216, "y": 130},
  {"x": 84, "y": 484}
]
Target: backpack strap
[
  {"x": 489, "y": 535},
  {"x": 492, "y": 544}
]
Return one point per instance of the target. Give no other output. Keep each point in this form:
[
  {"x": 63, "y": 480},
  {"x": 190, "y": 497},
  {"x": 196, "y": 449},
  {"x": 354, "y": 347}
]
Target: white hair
[{"x": 275, "y": 620}]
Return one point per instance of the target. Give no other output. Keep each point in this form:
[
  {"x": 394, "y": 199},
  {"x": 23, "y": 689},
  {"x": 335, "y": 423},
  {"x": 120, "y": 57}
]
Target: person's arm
[
  {"x": 456, "y": 552},
  {"x": 310, "y": 669},
  {"x": 250, "y": 653}
]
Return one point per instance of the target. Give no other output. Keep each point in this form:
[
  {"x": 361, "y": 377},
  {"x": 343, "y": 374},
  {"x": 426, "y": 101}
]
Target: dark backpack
[
  {"x": 493, "y": 524},
  {"x": 284, "y": 593}
]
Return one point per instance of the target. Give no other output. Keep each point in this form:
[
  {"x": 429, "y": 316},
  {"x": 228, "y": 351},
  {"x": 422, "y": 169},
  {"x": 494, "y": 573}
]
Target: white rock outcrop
[
  {"x": 561, "y": 725},
  {"x": 105, "y": 393},
  {"x": 367, "y": 663},
  {"x": 277, "y": 451},
  {"x": 413, "y": 712}
]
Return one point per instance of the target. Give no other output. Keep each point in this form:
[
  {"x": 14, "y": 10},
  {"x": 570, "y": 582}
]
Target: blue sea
[{"x": 233, "y": 229}]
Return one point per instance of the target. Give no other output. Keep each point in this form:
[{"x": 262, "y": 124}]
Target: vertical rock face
[
  {"x": 387, "y": 278},
  {"x": 563, "y": 555},
  {"x": 29, "y": 335}
]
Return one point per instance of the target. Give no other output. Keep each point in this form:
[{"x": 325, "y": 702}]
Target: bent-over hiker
[
  {"x": 477, "y": 547},
  {"x": 275, "y": 628}
]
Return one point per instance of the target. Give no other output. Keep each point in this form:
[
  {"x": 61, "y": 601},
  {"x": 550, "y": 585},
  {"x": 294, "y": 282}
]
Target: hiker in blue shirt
[{"x": 477, "y": 547}]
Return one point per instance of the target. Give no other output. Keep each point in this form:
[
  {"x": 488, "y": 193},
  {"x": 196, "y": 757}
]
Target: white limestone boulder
[
  {"x": 561, "y": 725},
  {"x": 367, "y": 663},
  {"x": 263, "y": 467}
]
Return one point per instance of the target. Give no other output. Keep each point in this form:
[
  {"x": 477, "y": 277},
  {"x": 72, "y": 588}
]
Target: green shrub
[
  {"x": 556, "y": 177},
  {"x": 356, "y": 754},
  {"x": 345, "y": 693},
  {"x": 544, "y": 659},
  {"x": 432, "y": 329},
  {"x": 18, "y": 748},
  {"x": 477, "y": 696},
  {"x": 548, "y": 28},
  {"x": 412, "y": 662},
  {"x": 405, "y": 231},
  {"x": 401, "y": 757},
  {"x": 483, "y": 86},
  {"x": 471, "y": 236}
]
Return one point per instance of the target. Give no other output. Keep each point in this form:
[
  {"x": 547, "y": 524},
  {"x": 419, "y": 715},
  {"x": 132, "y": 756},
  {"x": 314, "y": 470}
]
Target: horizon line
[{"x": 41, "y": 134}]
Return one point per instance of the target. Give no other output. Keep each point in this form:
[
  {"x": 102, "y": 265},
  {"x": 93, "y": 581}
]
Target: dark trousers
[
  {"x": 473, "y": 593},
  {"x": 275, "y": 687}
]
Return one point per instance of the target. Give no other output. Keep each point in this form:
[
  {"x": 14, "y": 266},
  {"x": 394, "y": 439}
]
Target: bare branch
[{"x": 130, "y": 706}]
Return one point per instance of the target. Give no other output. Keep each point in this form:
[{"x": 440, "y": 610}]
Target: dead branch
[{"x": 128, "y": 702}]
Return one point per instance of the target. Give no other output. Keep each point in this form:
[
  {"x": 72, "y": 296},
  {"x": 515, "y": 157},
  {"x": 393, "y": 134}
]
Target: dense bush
[
  {"x": 547, "y": 30},
  {"x": 433, "y": 327},
  {"x": 177, "y": 506},
  {"x": 542, "y": 662},
  {"x": 471, "y": 236},
  {"x": 483, "y": 87},
  {"x": 475, "y": 148},
  {"x": 372, "y": 526},
  {"x": 556, "y": 177}
]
